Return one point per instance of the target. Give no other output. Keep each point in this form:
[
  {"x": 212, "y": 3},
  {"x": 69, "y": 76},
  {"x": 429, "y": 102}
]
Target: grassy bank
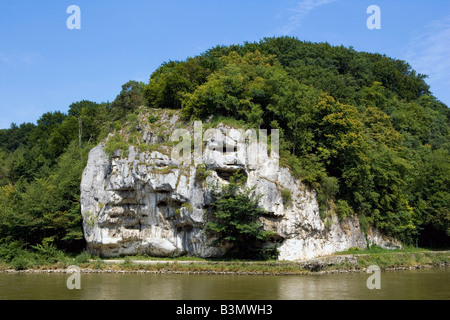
[
  {"x": 409, "y": 257},
  {"x": 13, "y": 257}
]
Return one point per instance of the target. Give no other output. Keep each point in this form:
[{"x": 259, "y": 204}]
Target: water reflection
[{"x": 416, "y": 284}]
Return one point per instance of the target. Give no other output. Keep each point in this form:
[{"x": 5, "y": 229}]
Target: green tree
[
  {"x": 239, "y": 89},
  {"x": 173, "y": 79},
  {"x": 91, "y": 119},
  {"x": 432, "y": 198},
  {"x": 293, "y": 105},
  {"x": 131, "y": 96},
  {"x": 339, "y": 135},
  {"x": 234, "y": 220},
  {"x": 47, "y": 207}
]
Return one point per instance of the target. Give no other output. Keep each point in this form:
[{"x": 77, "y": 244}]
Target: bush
[
  {"x": 21, "y": 262},
  {"x": 14, "y": 254},
  {"x": 201, "y": 173},
  {"x": 48, "y": 253},
  {"x": 116, "y": 142},
  {"x": 188, "y": 206},
  {"x": 82, "y": 257},
  {"x": 133, "y": 119},
  {"x": 326, "y": 191},
  {"x": 375, "y": 249},
  {"x": 287, "y": 196},
  {"x": 343, "y": 209},
  {"x": 308, "y": 167},
  {"x": 153, "y": 119},
  {"x": 268, "y": 253},
  {"x": 10, "y": 249}
]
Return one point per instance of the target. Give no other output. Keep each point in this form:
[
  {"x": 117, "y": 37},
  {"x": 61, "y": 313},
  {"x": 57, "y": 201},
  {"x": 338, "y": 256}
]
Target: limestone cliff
[{"x": 142, "y": 200}]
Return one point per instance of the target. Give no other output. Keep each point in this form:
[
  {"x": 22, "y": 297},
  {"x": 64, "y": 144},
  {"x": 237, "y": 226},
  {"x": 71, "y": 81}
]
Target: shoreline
[
  {"x": 346, "y": 263},
  {"x": 211, "y": 272}
]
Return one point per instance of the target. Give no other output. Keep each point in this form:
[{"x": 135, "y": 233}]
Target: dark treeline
[{"x": 362, "y": 129}]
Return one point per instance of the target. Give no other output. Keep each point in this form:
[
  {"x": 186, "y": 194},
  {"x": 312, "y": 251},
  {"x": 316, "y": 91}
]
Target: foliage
[
  {"x": 153, "y": 119},
  {"x": 201, "y": 173},
  {"x": 343, "y": 209},
  {"x": 286, "y": 196},
  {"x": 173, "y": 79},
  {"x": 238, "y": 89},
  {"x": 131, "y": 96},
  {"x": 46, "y": 208},
  {"x": 116, "y": 142},
  {"x": 326, "y": 192},
  {"x": 16, "y": 255},
  {"x": 233, "y": 220}
]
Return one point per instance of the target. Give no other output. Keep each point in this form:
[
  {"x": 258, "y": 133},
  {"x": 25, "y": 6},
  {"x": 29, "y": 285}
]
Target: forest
[{"x": 361, "y": 129}]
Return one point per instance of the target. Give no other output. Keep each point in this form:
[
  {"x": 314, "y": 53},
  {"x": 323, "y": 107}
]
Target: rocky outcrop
[{"x": 146, "y": 202}]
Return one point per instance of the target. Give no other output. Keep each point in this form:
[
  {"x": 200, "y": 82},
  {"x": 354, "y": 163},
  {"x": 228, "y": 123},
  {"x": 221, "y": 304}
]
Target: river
[{"x": 409, "y": 284}]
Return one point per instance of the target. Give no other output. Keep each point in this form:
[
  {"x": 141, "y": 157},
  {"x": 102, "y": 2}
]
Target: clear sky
[{"x": 44, "y": 66}]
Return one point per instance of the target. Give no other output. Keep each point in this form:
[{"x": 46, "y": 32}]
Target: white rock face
[{"x": 148, "y": 203}]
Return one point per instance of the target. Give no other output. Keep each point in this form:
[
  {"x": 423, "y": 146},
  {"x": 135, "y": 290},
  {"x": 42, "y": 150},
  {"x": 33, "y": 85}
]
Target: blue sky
[{"x": 44, "y": 66}]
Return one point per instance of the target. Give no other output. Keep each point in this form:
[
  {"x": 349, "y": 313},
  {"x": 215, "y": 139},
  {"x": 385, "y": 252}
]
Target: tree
[
  {"x": 91, "y": 117},
  {"x": 432, "y": 197},
  {"x": 47, "y": 208},
  {"x": 234, "y": 220},
  {"x": 131, "y": 96},
  {"x": 173, "y": 79},
  {"x": 339, "y": 134},
  {"x": 293, "y": 105},
  {"x": 11, "y": 139},
  {"x": 239, "y": 89}
]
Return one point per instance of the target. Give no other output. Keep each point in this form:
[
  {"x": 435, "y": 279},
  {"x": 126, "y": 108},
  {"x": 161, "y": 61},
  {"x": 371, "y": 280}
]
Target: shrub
[
  {"x": 201, "y": 173},
  {"x": 82, "y": 257},
  {"x": 343, "y": 209},
  {"x": 10, "y": 249},
  {"x": 117, "y": 125},
  {"x": 287, "y": 196},
  {"x": 326, "y": 191},
  {"x": 132, "y": 118},
  {"x": 188, "y": 206},
  {"x": 21, "y": 262},
  {"x": 153, "y": 119},
  {"x": 268, "y": 253},
  {"x": 116, "y": 142},
  {"x": 48, "y": 253}
]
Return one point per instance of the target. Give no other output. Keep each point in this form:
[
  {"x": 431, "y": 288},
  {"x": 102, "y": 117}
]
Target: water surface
[{"x": 410, "y": 284}]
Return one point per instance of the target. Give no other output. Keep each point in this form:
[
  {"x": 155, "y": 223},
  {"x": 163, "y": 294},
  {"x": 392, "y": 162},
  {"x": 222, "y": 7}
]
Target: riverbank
[{"x": 340, "y": 263}]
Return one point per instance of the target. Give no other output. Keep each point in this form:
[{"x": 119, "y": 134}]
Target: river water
[{"x": 409, "y": 284}]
